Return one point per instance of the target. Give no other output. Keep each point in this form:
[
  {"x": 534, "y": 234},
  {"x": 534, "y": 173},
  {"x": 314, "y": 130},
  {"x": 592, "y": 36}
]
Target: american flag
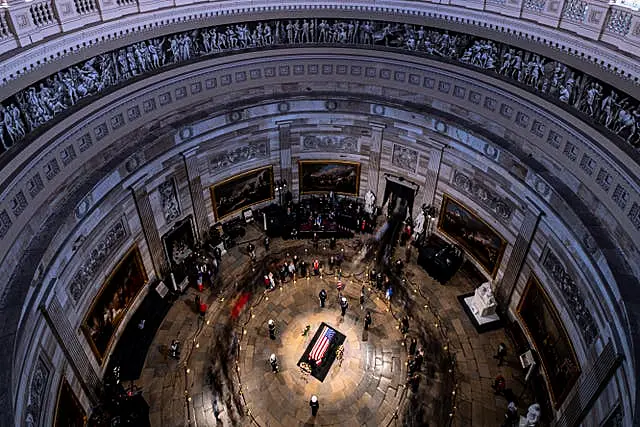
[{"x": 322, "y": 345}]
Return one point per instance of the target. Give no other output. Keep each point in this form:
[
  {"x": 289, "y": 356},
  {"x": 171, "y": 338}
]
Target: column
[
  {"x": 150, "y": 229},
  {"x": 373, "y": 179},
  {"x": 432, "y": 174},
  {"x": 72, "y": 349},
  {"x": 532, "y": 216},
  {"x": 197, "y": 198}
]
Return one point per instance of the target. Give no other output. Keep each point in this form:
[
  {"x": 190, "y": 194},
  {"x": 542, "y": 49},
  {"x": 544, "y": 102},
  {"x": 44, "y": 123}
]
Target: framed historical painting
[
  {"x": 112, "y": 302},
  {"x": 240, "y": 191},
  {"x": 69, "y": 412},
  {"x": 323, "y": 176},
  {"x": 544, "y": 327},
  {"x": 479, "y": 239}
]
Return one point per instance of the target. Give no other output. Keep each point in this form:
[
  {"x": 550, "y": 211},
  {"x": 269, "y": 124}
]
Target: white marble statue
[
  {"x": 483, "y": 302},
  {"x": 418, "y": 224},
  {"x": 533, "y": 416},
  {"x": 370, "y": 202}
]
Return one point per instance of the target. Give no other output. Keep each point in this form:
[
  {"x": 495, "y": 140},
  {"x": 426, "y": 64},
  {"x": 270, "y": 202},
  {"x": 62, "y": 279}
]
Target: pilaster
[
  {"x": 72, "y": 349},
  {"x": 432, "y": 174},
  {"x": 150, "y": 229},
  {"x": 284, "y": 138},
  {"x": 197, "y": 197},
  {"x": 532, "y": 216},
  {"x": 377, "y": 134}
]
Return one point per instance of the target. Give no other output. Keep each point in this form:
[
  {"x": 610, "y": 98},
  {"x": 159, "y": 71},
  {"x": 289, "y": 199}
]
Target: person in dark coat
[
  {"x": 404, "y": 327},
  {"x": 501, "y": 353},
  {"x": 323, "y": 297},
  {"x": 272, "y": 329},
  {"x": 273, "y": 360},
  {"x": 413, "y": 346},
  {"x": 266, "y": 243},
  {"x": 314, "y": 405},
  {"x": 343, "y": 305},
  {"x": 367, "y": 321}
]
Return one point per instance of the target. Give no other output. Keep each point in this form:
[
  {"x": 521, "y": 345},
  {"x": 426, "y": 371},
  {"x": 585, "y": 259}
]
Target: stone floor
[{"x": 224, "y": 366}]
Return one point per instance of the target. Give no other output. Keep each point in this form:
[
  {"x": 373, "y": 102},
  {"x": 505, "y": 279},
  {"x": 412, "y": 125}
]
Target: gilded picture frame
[
  {"x": 112, "y": 303},
  {"x": 469, "y": 230},
  {"x": 324, "y": 176},
  {"x": 236, "y": 193},
  {"x": 543, "y": 325},
  {"x": 69, "y": 412}
]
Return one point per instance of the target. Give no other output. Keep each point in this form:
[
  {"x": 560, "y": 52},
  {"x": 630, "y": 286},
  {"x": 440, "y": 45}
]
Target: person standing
[
  {"x": 323, "y": 297},
  {"x": 367, "y": 321},
  {"x": 272, "y": 329},
  {"x": 273, "y": 360},
  {"x": 501, "y": 353},
  {"x": 343, "y": 305},
  {"x": 404, "y": 325},
  {"x": 266, "y": 243},
  {"x": 251, "y": 250},
  {"x": 413, "y": 346},
  {"x": 511, "y": 417},
  {"x": 362, "y": 298},
  {"x": 314, "y": 404}
]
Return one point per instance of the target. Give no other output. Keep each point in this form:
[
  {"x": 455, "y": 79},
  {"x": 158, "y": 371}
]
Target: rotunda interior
[{"x": 319, "y": 213}]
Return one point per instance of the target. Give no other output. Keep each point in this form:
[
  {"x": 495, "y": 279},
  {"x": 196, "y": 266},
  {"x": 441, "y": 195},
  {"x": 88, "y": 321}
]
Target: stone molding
[
  {"x": 169, "y": 200},
  {"x": 482, "y": 195},
  {"x": 345, "y": 144},
  {"x": 573, "y": 297},
  {"x": 246, "y": 152},
  {"x": 405, "y": 158},
  {"x": 36, "y": 393},
  {"x": 106, "y": 246}
]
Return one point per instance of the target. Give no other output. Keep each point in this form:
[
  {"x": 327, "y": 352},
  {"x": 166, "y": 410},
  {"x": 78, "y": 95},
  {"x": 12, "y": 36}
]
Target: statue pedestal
[{"x": 481, "y": 306}]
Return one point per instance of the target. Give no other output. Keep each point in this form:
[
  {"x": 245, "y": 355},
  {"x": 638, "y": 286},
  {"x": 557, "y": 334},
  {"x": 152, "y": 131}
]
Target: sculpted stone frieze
[
  {"x": 573, "y": 297},
  {"x": 169, "y": 200},
  {"x": 404, "y": 157},
  {"x": 37, "y": 390},
  {"x": 102, "y": 250},
  {"x": 483, "y": 196},
  {"x": 42, "y": 103},
  {"x": 244, "y": 153},
  {"x": 348, "y": 144}
]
